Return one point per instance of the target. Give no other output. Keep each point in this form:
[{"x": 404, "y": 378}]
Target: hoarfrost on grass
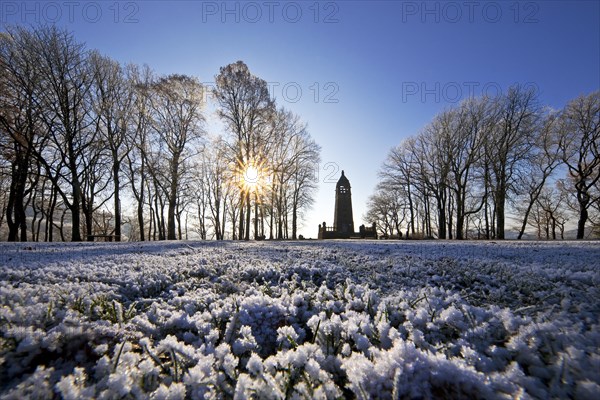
[{"x": 300, "y": 320}]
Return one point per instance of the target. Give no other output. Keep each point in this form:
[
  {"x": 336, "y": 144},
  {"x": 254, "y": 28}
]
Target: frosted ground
[{"x": 353, "y": 319}]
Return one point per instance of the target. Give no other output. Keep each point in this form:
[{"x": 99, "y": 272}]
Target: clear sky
[{"x": 362, "y": 74}]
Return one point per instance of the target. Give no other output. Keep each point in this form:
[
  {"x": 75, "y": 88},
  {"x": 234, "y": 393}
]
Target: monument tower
[{"x": 343, "y": 221}]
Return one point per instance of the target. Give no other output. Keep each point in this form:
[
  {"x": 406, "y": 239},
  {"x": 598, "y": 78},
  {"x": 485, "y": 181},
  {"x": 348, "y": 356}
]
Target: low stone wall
[{"x": 326, "y": 232}]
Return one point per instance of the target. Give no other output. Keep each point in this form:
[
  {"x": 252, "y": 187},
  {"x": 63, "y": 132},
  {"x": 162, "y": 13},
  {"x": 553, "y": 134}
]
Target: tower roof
[{"x": 343, "y": 181}]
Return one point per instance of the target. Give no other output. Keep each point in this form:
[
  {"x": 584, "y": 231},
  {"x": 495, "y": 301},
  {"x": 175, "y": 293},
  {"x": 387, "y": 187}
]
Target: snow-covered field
[{"x": 355, "y": 319}]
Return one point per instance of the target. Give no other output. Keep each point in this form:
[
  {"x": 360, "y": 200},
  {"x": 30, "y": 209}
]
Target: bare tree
[
  {"x": 286, "y": 126},
  {"x": 75, "y": 123},
  {"x": 470, "y": 158},
  {"x": 542, "y": 162},
  {"x": 306, "y": 156},
  {"x": 388, "y": 210},
  {"x": 60, "y": 100},
  {"x": 509, "y": 144},
  {"x": 434, "y": 151},
  {"x": 177, "y": 120},
  {"x": 216, "y": 184},
  {"x": 139, "y": 79},
  {"x": 19, "y": 119},
  {"x": 595, "y": 217},
  {"x": 95, "y": 180},
  {"x": 63, "y": 97},
  {"x": 549, "y": 213},
  {"x": 112, "y": 103},
  {"x": 246, "y": 109},
  {"x": 400, "y": 171},
  {"x": 579, "y": 144},
  {"x": 4, "y": 188},
  {"x": 470, "y": 125}
]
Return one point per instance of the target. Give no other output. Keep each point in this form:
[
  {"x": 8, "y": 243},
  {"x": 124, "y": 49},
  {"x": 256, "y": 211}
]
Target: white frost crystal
[{"x": 305, "y": 320}]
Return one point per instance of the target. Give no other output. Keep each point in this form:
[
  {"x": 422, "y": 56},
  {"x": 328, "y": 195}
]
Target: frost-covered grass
[{"x": 353, "y": 319}]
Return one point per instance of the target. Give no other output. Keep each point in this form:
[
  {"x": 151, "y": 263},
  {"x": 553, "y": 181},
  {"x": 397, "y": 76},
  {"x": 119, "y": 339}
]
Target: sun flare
[{"x": 251, "y": 176}]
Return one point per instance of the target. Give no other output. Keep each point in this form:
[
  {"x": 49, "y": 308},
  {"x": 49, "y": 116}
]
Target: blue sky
[{"x": 363, "y": 75}]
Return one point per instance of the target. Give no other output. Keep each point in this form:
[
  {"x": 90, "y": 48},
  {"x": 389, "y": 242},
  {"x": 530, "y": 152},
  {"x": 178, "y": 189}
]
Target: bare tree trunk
[
  {"x": 171, "y": 208},
  {"x": 487, "y": 218},
  {"x": 61, "y": 229},
  {"x": 162, "y": 231},
  {"x": 256, "y": 233},
  {"x": 450, "y": 217},
  {"x": 117, "y": 197},
  {"x": 15, "y": 213},
  {"x": 460, "y": 215},
  {"x": 441, "y": 217},
  {"x": 140, "y": 205},
  {"x": 178, "y": 218},
  {"x": 294, "y": 221},
  {"x": 262, "y": 222},
  {"x": 76, "y": 204},
  {"x": 13, "y": 226},
  {"x": 241, "y": 224},
  {"x": 34, "y": 221},
  {"x": 223, "y": 223},
  {"x": 50, "y": 220},
  {"x": 500, "y": 204},
  {"x": 583, "y": 216},
  {"x": 158, "y": 224},
  {"x": 248, "y": 211},
  {"x": 411, "y": 210},
  {"x": 427, "y": 217},
  {"x": 151, "y": 222},
  {"x": 272, "y": 212},
  {"x": 89, "y": 221}
]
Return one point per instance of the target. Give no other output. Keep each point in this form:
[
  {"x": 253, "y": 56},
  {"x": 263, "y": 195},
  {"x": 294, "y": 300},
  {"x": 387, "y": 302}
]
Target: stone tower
[{"x": 343, "y": 221}]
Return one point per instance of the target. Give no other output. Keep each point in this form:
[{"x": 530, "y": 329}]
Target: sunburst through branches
[{"x": 252, "y": 176}]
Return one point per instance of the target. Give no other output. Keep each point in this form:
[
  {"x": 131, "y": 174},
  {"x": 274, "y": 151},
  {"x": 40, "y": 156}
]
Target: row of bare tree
[
  {"x": 489, "y": 160},
  {"x": 80, "y": 134}
]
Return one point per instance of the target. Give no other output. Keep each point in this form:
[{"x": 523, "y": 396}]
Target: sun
[{"x": 251, "y": 177}]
